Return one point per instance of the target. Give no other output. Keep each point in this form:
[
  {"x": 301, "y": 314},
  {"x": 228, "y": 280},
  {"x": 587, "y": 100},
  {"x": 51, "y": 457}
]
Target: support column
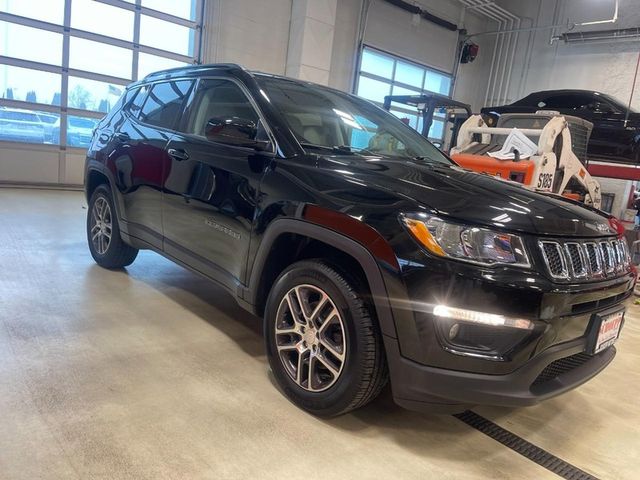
[{"x": 311, "y": 40}]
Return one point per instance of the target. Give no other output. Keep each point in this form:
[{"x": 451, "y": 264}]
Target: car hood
[{"x": 474, "y": 198}]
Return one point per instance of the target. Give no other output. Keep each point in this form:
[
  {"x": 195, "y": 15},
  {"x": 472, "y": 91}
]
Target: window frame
[
  {"x": 67, "y": 32},
  {"x": 392, "y": 82}
]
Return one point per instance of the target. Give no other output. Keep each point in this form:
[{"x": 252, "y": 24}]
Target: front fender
[{"x": 362, "y": 255}]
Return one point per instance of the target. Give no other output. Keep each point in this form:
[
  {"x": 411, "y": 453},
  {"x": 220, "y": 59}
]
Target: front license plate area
[{"x": 606, "y": 330}]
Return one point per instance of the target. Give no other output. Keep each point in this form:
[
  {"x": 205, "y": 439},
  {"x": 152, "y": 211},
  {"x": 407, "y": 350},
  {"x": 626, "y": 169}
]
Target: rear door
[
  {"x": 211, "y": 189},
  {"x": 140, "y": 159}
]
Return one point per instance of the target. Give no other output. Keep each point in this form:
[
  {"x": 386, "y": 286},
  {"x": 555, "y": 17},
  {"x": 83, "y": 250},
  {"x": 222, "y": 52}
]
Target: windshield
[
  {"x": 622, "y": 106},
  {"x": 322, "y": 118}
]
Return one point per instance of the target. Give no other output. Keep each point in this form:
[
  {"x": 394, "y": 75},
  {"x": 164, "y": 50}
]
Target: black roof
[
  {"x": 191, "y": 70},
  {"x": 194, "y": 70},
  {"x": 563, "y": 91}
]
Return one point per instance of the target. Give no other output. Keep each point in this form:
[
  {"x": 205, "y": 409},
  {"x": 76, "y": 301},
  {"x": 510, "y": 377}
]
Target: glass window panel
[
  {"x": 30, "y": 43},
  {"x": 409, "y": 74},
  {"x": 152, "y": 63},
  {"x": 377, "y": 64},
  {"x": 180, "y": 8},
  {"x": 166, "y": 36},
  {"x": 437, "y": 82},
  {"x": 138, "y": 100},
  {"x": 164, "y": 103},
  {"x": 407, "y": 118},
  {"x": 437, "y": 129},
  {"x": 100, "y": 18},
  {"x": 29, "y": 126},
  {"x": 80, "y": 131},
  {"x": 373, "y": 89},
  {"x": 404, "y": 91},
  {"x": 51, "y": 11},
  {"x": 93, "y": 95},
  {"x": 100, "y": 58},
  {"x": 360, "y": 137},
  {"x": 29, "y": 85}
]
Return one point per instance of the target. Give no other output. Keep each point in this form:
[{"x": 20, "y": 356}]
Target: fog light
[
  {"x": 455, "y": 328},
  {"x": 489, "y": 319}
]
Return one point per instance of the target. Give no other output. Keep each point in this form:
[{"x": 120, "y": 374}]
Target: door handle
[
  {"x": 178, "y": 154},
  {"x": 123, "y": 136}
]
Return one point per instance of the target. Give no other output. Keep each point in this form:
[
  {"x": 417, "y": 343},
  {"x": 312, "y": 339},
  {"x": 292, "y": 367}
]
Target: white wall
[
  {"x": 253, "y": 33},
  {"x": 621, "y": 189},
  {"x": 473, "y": 77},
  {"x": 392, "y": 30},
  {"x": 606, "y": 67},
  {"x": 256, "y": 34},
  {"x": 46, "y": 164}
]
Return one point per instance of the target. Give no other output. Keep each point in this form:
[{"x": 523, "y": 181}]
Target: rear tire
[
  {"x": 103, "y": 233},
  {"x": 323, "y": 344}
]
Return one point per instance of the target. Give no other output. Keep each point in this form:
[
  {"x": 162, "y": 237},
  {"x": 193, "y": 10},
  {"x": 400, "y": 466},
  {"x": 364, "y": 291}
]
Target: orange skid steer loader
[{"x": 507, "y": 151}]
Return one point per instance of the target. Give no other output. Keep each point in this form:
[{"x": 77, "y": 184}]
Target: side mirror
[{"x": 234, "y": 131}]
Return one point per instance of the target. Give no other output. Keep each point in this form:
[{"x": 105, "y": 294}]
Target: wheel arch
[
  {"x": 290, "y": 240},
  {"x": 94, "y": 179}
]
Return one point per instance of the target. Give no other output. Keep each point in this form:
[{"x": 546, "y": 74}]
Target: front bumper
[
  {"x": 430, "y": 389},
  {"x": 550, "y": 360}
]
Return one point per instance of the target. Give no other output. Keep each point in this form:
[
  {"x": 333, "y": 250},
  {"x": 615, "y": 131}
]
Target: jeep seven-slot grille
[{"x": 585, "y": 260}]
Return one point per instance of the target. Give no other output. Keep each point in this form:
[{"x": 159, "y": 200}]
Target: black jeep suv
[{"x": 368, "y": 253}]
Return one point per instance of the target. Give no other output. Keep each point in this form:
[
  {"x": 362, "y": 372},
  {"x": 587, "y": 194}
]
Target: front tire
[
  {"x": 103, "y": 233},
  {"x": 323, "y": 344}
]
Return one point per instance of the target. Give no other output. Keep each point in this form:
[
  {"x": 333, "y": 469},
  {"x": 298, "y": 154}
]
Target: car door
[
  {"x": 610, "y": 138},
  {"x": 211, "y": 190},
  {"x": 604, "y": 139},
  {"x": 140, "y": 158}
]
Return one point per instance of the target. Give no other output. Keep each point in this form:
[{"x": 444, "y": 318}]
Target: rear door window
[
  {"x": 568, "y": 102},
  {"x": 165, "y": 102}
]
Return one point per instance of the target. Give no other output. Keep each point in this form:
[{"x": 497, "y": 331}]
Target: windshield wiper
[
  {"x": 321, "y": 147},
  {"x": 338, "y": 148},
  {"x": 362, "y": 151},
  {"x": 429, "y": 160}
]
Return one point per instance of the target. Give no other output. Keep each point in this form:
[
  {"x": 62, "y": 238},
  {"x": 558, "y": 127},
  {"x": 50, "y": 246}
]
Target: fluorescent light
[{"x": 489, "y": 319}]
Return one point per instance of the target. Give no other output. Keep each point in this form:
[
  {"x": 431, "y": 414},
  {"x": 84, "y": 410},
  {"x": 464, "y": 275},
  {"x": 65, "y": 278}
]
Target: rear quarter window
[{"x": 164, "y": 103}]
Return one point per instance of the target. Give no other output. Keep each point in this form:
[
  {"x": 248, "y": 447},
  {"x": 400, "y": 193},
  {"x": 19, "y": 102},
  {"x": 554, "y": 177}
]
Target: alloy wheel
[
  {"x": 101, "y": 225},
  {"x": 310, "y": 338}
]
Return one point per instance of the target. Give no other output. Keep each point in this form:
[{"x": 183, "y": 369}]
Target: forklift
[{"x": 427, "y": 105}]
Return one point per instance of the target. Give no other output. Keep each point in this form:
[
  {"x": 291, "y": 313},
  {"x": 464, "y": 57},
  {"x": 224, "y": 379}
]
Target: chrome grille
[
  {"x": 607, "y": 257},
  {"x": 593, "y": 257},
  {"x": 576, "y": 260},
  {"x": 552, "y": 253}
]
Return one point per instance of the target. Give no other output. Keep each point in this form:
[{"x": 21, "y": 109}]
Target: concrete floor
[{"x": 155, "y": 373}]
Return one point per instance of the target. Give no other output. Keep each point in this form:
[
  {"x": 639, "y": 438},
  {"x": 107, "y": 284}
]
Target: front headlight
[{"x": 463, "y": 242}]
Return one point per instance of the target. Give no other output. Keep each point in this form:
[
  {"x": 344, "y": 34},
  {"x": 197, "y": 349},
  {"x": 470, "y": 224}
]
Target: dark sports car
[{"x": 616, "y": 132}]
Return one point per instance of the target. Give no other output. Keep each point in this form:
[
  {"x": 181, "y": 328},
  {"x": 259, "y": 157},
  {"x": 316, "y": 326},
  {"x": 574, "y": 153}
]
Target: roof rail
[{"x": 169, "y": 71}]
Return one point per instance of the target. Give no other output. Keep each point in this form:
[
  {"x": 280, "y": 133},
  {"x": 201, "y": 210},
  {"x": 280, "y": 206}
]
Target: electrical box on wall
[{"x": 469, "y": 52}]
